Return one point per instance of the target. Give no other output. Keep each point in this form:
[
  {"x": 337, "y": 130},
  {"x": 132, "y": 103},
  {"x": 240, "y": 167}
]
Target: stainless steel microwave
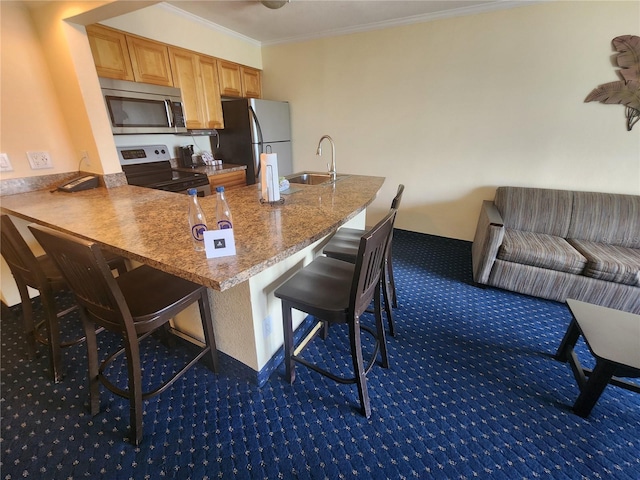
[{"x": 141, "y": 108}]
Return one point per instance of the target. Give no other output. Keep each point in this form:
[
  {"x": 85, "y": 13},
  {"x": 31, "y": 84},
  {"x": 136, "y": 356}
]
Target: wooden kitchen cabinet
[
  {"x": 239, "y": 81},
  {"x": 196, "y": 77},
  {"x": 150, "y": 61},
  {"x": 110, "y": 53},
  {"x": 229, "y": 181},
  {"x": 230, "y": 79},
  {"x": 202, "y": 79},
  {"x": 251, "y": 82},
  {"x": 212, "y": 103}
]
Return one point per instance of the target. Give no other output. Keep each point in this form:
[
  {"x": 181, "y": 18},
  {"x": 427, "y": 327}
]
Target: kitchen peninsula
[{"x": 272, "y": 242}]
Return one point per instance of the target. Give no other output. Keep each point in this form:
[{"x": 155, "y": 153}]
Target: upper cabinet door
[
  {"x": 110, "y": 53},
  {"x": 211, "y": 92},
  {"x": 251, "y": 82},
  {"x": 197, "y": 78},
  {"x": 186, "y": 76},
  {"x": 230, "y": 80},
  {"x": 150, "y": 61}
]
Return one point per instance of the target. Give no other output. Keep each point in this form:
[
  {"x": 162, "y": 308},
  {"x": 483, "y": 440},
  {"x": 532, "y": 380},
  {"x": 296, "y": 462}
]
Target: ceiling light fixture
[{"x": 274, "y": 4}]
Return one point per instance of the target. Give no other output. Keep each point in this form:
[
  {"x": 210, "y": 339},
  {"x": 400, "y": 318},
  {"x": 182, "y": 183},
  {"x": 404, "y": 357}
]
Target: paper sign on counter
[{"x": 219, "y": 243}]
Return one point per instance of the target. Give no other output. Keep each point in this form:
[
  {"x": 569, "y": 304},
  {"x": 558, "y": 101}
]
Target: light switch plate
[
  {"x": 5, "y": 163},
  {"x": 39, "y": 160}
]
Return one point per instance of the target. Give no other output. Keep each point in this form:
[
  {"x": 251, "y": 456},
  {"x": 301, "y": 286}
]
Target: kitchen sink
[{"x": 312, "y": 178}]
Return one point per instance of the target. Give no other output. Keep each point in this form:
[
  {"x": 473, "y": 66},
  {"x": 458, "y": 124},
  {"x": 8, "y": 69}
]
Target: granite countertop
[{"x": 151, "y": 226}]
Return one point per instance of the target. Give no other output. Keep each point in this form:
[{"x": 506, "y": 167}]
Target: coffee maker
[{"x": 186, "y": 156}]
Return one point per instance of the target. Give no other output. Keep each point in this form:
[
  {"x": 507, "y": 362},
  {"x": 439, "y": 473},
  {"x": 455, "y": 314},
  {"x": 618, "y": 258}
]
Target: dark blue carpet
[{"x": 473, "y": 391}]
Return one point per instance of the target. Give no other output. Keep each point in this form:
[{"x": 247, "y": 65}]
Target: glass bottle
[
  {"x": 197, "y": 221},
  {"x": 223, "y": 214}
]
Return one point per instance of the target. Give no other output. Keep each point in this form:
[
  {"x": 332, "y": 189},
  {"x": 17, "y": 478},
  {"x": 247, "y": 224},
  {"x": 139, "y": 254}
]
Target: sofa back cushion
[
  {"x": 608, "y": 218},
  {"x": 537, "y": 210}
]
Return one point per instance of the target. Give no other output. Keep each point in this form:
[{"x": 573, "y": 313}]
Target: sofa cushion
[
  {"x": 608, "y": 218},
  {"x": 537, "y": 210},
  {"x": 610, "y": 262},
  {"x": 541, "y": 250}
]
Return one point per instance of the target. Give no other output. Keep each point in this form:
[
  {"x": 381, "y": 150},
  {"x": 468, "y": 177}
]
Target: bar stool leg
[
  {"x": 27, "y": 319},
  {"x": 207, "y": 327},
  {"x": 287, "y": 326},
  {"x": 135, "y": 388},
  {"x": 382, "y": 339},
  {"x": 358, "y": 366},
  {"x": 53, "y": 334},
  {"x": 391, "y": 280},
  {"x": 387, "y": 302}
]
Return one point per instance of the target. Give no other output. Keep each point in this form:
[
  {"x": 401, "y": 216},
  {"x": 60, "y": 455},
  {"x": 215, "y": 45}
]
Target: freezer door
[
  {"x": 282, "y": 149},
  {"x": 273, "y": 119}
]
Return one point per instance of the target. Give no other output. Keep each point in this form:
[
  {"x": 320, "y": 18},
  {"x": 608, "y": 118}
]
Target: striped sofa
[{"x": 560, "y": 244}]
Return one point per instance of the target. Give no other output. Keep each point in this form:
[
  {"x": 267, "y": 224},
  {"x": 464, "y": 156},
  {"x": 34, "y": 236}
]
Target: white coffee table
[{"x": 613, "y": 337}]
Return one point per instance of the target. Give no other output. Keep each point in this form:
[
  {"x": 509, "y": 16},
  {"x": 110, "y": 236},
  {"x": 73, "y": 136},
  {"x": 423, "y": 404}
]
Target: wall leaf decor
[{"x": 627, "y": 90}]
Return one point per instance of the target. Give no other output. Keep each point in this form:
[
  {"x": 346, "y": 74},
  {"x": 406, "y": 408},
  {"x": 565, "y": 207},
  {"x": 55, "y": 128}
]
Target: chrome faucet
[{"x": 332, "y": 167}]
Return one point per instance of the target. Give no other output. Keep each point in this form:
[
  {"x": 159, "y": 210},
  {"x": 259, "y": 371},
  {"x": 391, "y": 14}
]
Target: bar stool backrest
[
  {"x": 85, "y": 269},
  {"x": 21, "y": 260},
  {"x": 395, "y": 203},
  {"x": 371, "y": 255}
]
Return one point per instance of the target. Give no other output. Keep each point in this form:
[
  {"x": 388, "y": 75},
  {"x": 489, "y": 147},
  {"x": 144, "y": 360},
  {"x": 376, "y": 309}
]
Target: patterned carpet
[{"x": 472, "y": 392}]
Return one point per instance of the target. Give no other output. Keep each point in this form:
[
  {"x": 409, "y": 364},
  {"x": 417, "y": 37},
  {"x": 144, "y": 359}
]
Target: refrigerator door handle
[{"x": 260, "y": 141}]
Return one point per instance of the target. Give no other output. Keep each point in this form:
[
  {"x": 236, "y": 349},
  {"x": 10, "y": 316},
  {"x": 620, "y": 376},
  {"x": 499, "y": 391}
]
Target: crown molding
[
  {"x": 430, "y": 17},
  {"x": 207, "y": 23}
]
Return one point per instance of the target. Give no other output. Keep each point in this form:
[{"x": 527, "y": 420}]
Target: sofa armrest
[{"x": 487, "y": 240}]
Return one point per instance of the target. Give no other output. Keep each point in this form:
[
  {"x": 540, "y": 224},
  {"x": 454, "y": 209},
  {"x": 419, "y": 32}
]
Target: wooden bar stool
[
  {"x": 344, "y": 246},
  {"x": 134, "y": 305},
  {"x": 338, "y": 292},
  {"x": 40, "y": 273}
]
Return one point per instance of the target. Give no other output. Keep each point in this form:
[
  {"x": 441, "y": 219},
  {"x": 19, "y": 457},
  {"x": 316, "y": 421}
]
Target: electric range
[{"x": 149, "y": 166}]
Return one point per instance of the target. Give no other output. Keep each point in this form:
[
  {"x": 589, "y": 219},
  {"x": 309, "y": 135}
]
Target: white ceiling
[{"x": 306, "y": 19}]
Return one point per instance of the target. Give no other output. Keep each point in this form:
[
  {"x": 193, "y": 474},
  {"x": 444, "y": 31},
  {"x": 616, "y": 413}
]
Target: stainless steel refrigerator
[{"x": 251, "y": 127}]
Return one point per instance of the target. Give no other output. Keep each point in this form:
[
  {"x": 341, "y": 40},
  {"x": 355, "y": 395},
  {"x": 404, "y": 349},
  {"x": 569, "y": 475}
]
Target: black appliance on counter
[
  {"x": 149, "y": 166},
  {"x": 186, "y": 156},
  {"x": 187, "y": 159}
]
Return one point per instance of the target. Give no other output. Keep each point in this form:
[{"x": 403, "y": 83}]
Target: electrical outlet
[
  {"x": 84, "y": 158},
  {"x": 5, "y": 163},
  {"x": 39, "y": 160}
]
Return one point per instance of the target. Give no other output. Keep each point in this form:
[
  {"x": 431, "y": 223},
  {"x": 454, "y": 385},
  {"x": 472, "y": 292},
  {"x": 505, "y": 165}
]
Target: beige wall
[
  {"x": 453, "y": 108},
  {"x": 30, "y": 112}
]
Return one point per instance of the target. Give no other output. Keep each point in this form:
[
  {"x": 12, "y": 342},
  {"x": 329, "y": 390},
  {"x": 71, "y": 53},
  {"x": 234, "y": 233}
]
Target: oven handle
[{"x": 169, "y": 110}]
